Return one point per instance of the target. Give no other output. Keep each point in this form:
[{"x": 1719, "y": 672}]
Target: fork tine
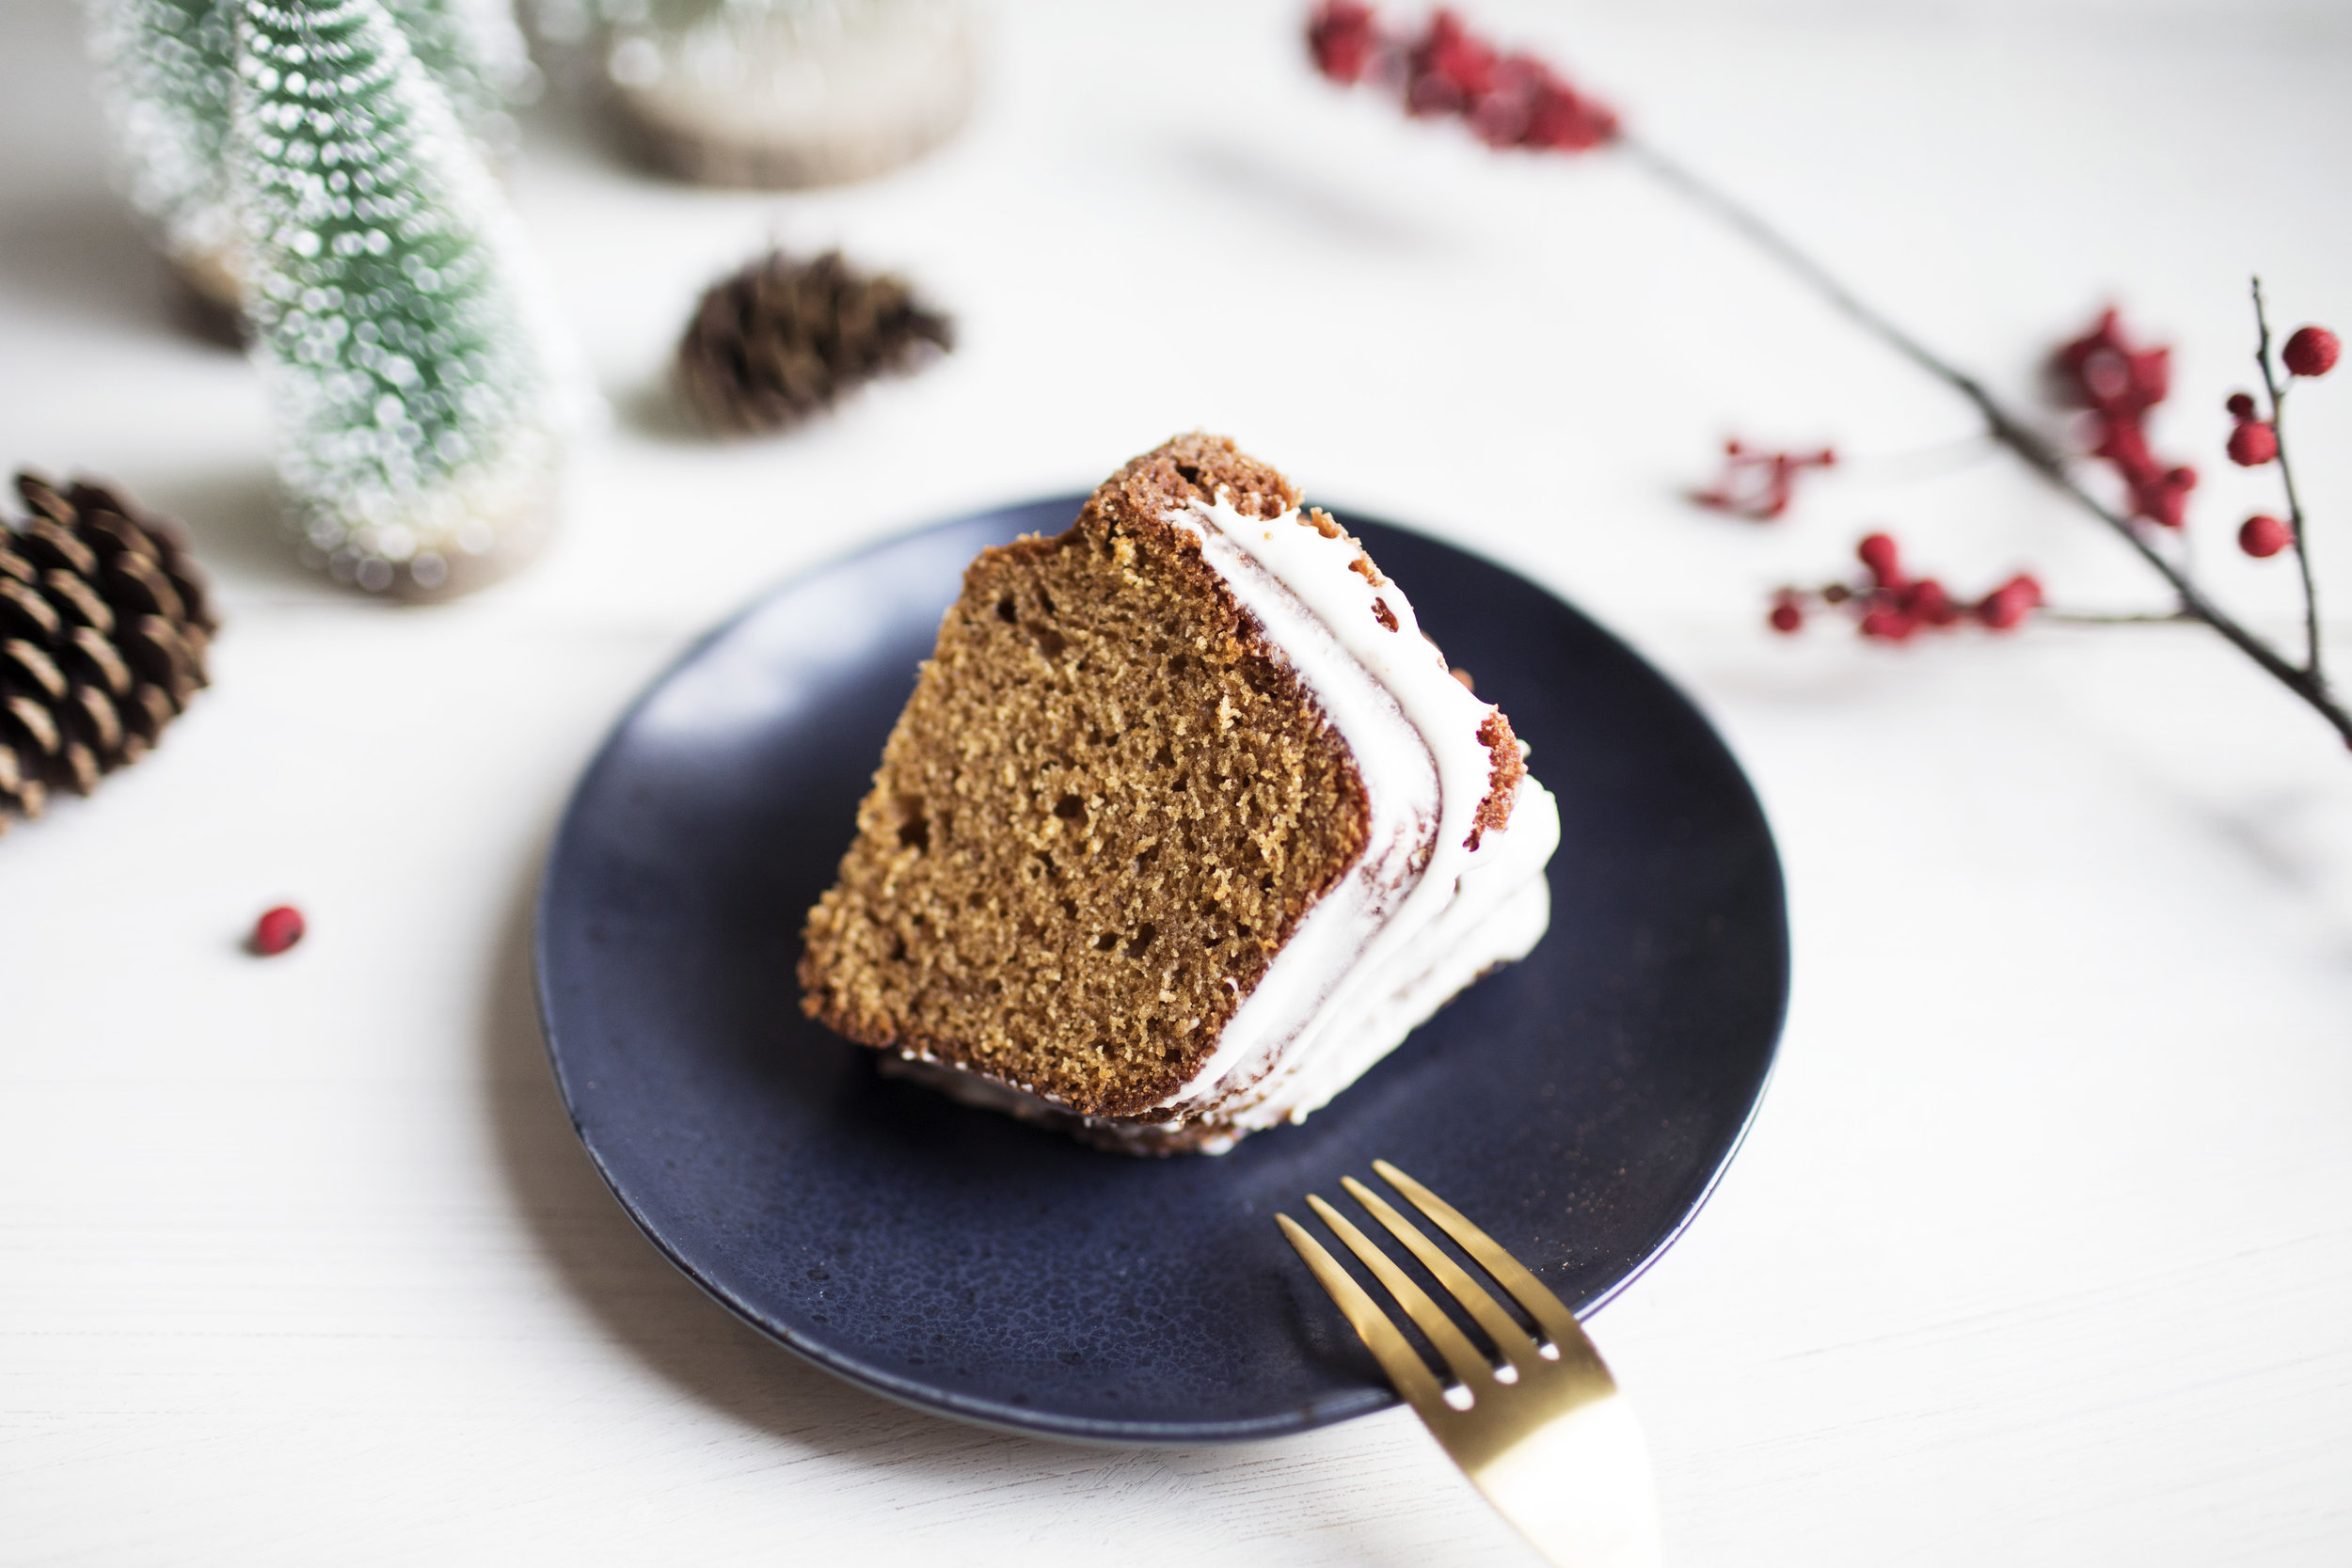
[
  {"x": 1397, "y": 1357},
  {"x": 1559, "y": 1452},
  {"x": 1508, "y": 1336},
  {"x": 1547, "y": 1310},
  {"x": 1470, "y": 1367}
]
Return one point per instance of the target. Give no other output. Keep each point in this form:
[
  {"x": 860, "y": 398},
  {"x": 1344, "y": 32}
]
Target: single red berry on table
[
  {"x": 1878, "y": 552},
  {"x": 1787, "y": 614},
  {"x": 277, "y": 930},
  {"x": 2241, "y": 406},
  {"x": 2254, "y": 444},
  {"x": 2263, "y": 536},
  {"x": 2312, "y": 351}
]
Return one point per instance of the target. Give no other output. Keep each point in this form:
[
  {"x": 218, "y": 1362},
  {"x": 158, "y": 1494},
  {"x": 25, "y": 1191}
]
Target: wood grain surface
[{"x": 2038, "y": 1252}]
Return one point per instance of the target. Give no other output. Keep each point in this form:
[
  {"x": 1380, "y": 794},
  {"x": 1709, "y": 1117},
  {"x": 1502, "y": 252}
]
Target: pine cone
[
  {"x": 103, "y": 625},
  {"x": 782, "y": 338}
]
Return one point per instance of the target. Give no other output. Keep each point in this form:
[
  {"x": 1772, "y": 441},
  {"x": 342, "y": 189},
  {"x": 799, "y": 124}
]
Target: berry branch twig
[
  {"x": 2012, "y": 432},
  {"x": 2277, "y": 393},
  {"x": 1514, "y": 100},
  {"x": 1759, "y": 485},
  {"x": 2142, "y": 618}
]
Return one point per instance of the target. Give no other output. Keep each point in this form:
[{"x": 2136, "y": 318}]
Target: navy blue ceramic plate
[{"x": 1579, "y": 1105}]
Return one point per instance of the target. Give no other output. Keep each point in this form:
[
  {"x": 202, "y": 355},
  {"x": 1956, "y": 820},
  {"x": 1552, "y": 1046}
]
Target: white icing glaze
[
  {"x": 1378, "y": 954},
  {"x": 1419, "y": 915},
  {"x": 1402, "y": 788}
]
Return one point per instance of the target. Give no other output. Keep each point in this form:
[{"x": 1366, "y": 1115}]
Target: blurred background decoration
[
  {"x": 416, "y": 375},
  {"x": 320, "y": 177},
  {"x": 777, "y": 94},
  {"x": 1512, "y": 100},
  {"x": 164, "y": 75},
  {"x": 782, "y": 338}
]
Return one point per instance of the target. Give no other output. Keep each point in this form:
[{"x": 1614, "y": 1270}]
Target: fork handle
[{"x": 1579, "y": 1488}]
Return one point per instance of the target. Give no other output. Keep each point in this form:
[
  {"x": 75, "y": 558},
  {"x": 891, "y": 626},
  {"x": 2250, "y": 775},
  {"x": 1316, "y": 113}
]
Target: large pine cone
[
  {"x": 103, "y": 625},
  {"x": 782, "y": 338}
]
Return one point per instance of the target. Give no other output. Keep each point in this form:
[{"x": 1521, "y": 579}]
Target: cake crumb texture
[{"x": 1106, "y": 806}]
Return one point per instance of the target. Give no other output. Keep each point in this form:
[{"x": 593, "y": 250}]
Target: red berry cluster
[
  {"x": 2254, "y": 441},
  {"x": 1509, "y": 99},
  {"x": 1759, "y": 484},
  {"x": 2119, "y": 385},
  {"x": 1892, "y": 606}
]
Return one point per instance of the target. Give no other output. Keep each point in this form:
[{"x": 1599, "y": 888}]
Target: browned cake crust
[
  {"x": 1105, "y": 809},
  {"x": 1509, "y": 765}
]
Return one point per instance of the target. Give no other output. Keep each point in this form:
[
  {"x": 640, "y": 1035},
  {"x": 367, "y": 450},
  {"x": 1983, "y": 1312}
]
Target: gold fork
[{"x": 1545, "y": 1434}]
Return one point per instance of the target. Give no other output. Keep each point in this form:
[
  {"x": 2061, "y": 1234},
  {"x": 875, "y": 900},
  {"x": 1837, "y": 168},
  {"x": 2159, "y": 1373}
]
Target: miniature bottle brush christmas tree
[
  {"x": 413, "y": 375},
  {"x": 164, "y": 69},
  {"x": 164, "y": 73}
]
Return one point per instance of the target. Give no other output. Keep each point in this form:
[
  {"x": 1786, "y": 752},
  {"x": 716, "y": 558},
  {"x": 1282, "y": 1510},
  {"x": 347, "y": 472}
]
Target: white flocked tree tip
[{"x": 419, "y": 387}]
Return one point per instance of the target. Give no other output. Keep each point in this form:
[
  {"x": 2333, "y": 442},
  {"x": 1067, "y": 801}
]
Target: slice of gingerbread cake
[{"x": 1185, "y": 826}]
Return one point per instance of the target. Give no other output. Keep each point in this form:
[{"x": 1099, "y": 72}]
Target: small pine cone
[
  {"x": 103, "y": 627},
  {"x": 782, "y": 338}
]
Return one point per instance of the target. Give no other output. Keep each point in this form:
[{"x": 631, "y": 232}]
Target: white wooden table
[{"x": 2040, "y": 1250}]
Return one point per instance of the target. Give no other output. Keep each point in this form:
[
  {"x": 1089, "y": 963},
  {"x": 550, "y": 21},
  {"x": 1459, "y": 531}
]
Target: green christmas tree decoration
[
  {"x": 474, "y": 50},
  {"x": 164, "y": 69},
  {"x": 415, "y": 382}
]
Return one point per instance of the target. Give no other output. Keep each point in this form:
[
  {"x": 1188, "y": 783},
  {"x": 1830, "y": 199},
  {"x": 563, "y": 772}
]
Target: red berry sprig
[
  {"x": 1891, "y": 605},
  {"x": 2120, "y": 386},
  {"x": 1507, "y": 98},
  {"x": 1515, "y": 100},
  {"x": 1758, "y": 483},
  {"x": 2254, "y": 442}
]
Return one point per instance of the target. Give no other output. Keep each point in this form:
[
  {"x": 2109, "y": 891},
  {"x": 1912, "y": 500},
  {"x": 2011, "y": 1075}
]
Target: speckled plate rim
[{"x": 994, "y": 1415}]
